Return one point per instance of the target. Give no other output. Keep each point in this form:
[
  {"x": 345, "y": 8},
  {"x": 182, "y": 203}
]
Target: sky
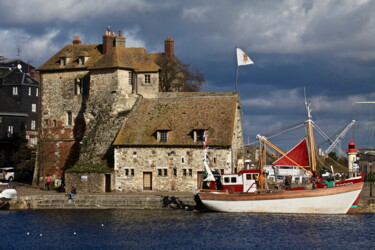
[{"x": 321, "y": 47}]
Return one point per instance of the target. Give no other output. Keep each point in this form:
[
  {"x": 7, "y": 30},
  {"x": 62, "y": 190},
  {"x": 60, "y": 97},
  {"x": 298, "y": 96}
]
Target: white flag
[{"x": 242, "y": 58}]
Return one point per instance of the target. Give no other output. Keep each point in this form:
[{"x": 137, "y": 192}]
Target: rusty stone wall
[
  {"x": 155, "y": 160},
  {"x": 95, "y": 182}
]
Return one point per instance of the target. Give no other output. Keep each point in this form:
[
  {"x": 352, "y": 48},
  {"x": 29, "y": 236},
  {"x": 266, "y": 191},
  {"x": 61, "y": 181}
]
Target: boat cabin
[{"x": 244, "y": 181}]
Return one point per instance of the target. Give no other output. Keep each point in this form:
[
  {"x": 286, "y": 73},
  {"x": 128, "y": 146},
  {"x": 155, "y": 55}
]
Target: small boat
[
  {"x": 253, "y": 195},
  {"x": 8, "y": 194}
]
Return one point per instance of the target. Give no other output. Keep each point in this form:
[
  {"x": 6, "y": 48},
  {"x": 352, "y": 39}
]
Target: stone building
[
  {"x": 90, "y": 92},
  {"x": 87, "y": 91},
  {"x": 160, "y": 146}
]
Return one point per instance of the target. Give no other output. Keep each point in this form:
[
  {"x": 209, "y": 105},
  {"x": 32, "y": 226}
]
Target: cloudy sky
[{"x": 326, "y": 47}]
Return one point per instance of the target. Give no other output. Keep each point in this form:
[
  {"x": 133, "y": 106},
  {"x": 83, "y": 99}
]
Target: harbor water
[{"x": 179, "y": 229}]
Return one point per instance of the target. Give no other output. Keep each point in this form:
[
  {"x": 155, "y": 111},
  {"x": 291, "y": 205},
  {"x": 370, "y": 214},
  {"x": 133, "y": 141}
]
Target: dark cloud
[{"x": 324, "y": 46}]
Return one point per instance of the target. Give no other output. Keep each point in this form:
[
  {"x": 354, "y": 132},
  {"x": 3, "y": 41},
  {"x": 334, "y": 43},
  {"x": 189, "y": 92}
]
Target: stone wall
[
  {"x": 85, "y": 182},
  {"x": 172, "y": 169}
]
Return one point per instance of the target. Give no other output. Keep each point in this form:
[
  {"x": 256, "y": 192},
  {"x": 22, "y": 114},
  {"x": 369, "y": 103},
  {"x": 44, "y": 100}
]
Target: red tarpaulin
[{"x": 299, "y": 154}]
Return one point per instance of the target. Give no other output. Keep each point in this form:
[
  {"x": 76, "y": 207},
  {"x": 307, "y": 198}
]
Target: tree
[{"x": 176, "y": 76}]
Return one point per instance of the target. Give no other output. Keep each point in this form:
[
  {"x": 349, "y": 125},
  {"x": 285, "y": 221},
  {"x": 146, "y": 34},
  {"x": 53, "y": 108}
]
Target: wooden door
[
  {"x": 199, "y": 179},
  {"x": 147, "y": 180}
]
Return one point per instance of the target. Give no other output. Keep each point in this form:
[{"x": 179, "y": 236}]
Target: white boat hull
[{"x": 336, "y": 200}]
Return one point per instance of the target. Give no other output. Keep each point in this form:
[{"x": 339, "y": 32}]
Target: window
[
  {"x": 175, "y": 172},
  {"x": 81, "y": 60},
  {"x": 129, "y": 172},
  {"x": 10, "y": 131},
  {"x": 162, "y": 172},
  {"x": 190, "y": 171},
  {"x": 33, "y": 107},
  {"x": 162, "y": 136},
  {"x": 29, "y": 91},
  {"x": 199, "y": 135},
  {"x": 222, "y": 171},
  {"x": 63, "y": 61},
  {"x": 33, "y": 125},
  {"x": 46, "y": 122},
  {"x": 54, "y": 124},
  {"x": 184, "y": 172},
  {"x": 36, "y": 91},
  {"x": 130, "y": 79},
  {"x": 147, "y": 79},
  {"x": 182, "y": 160},
  {"x": 78, "y": 87},
  {"x": 1, "y": 119},
  {"x": 15, "y": 90},
  {"x": 69, "y": 118},
  {"x": 226, "y": 179},
  {"x": 233, "y": 179}
]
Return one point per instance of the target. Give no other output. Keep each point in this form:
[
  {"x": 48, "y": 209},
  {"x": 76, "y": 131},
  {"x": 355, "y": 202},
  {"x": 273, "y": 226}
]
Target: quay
[{"x": 30, "y": 197}]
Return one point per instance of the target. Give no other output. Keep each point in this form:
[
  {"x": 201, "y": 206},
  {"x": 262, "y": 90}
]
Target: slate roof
[
  {"x": 15, "y": 77},
  {"x": 181, "y": 114},
  {"x": 119, "y": 57}
]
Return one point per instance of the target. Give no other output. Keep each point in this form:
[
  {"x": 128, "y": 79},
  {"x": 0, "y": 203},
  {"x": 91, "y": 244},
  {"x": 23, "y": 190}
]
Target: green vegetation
[{"x": 89, "y": 168}]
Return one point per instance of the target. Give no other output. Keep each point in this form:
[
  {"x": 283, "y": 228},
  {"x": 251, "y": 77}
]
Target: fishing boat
[{"x": 248, "y": 191}]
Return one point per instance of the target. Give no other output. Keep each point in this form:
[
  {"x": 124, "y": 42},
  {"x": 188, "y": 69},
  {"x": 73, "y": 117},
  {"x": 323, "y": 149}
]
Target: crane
[{"x": 339, "y": 137}]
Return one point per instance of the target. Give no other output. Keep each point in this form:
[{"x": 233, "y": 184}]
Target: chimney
[
  {"x": 169, "y": 46},
  {"x": 76, "y": 40},
  {"x": 35, "y": 75},
  {"x": 108, "y": 41},
  {"x": 119, "y": 40}
]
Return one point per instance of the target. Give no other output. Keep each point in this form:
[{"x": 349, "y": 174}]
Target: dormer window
[
  {"x": 199, "y": 135},
  {"x": 81, "y": 60},
  {"x": 63, "y": 61},
  {"x": 162, "y": 135}
]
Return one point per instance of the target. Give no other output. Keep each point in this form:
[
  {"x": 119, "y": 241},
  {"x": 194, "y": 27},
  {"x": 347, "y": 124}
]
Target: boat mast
[{"x": 310, "y": 135}]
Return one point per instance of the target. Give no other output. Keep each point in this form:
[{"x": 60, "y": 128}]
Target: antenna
[{"x": 18, "y": 52}]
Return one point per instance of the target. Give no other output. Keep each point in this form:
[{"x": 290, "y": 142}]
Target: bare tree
[{"x": 176, "y": 76}]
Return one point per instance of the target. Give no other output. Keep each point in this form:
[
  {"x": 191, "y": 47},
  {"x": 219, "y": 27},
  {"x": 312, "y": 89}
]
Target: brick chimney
[
  {"x": 76, "y": 40},
  {"x": 119, "y": 40},
  {"x": 108, "y": 41},
  {"x": 169, "y": 46}
]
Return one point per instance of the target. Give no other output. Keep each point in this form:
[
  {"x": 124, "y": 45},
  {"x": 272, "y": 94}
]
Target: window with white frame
[
  {"x": 187, "y": 172},
  {"x": 63, "y": 61},
  {"x": 147, "y": 78},
  {"x": 10, "y": 131},
  {"x": 199, "y": 135},
  {"x": 162, "y": 172},
  {"x": 36, "y": 91},
  {"x": 15, "y": 90},
  {"x": 33, "y": 107},
  {"x": 29, "y": 91},
  {"x": 81, "y": 60},
  {"x": 162, "y": 135},
  {"x": 129, "y": 172},
  {"x": 183, "y": 160},
  {"x": 33, "y": 124},
  {"x": 78, "y": 86}
]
